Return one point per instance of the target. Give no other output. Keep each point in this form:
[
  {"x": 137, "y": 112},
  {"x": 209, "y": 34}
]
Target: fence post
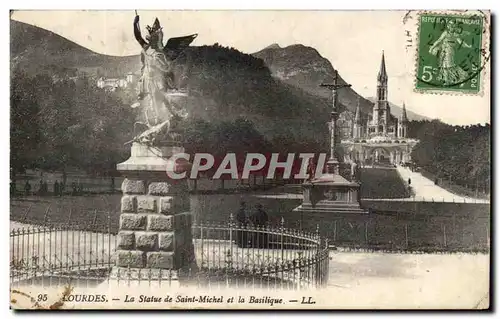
[
  {"x": 366, "y": 233},
  {"x": 317, "y": 259},
  {"x": 317, "y": 236},
  {"x": 444, "y": 234},
  {"x": 406, "y": 235},
  {"x": 335, "y": 231},
  {"x": 201, "y": 243},
  {"x": 282, "y": 229},
  {"x": 327, "y": 263},
  {"x": 231, "y": 233}
]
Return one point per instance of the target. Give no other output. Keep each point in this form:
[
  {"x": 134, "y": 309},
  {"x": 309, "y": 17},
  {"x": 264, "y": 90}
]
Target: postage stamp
[{"x": 450, "y": 52}]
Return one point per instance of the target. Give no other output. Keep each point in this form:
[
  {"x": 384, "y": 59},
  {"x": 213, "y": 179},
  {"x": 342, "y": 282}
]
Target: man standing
[
  {"x": 40, "y": 188},
  {"x": 260, "y": 219},
  {"x": 27, "y": 188},
  {"x": 45, "y": 188},
  {"x": 56, "y": 188}
]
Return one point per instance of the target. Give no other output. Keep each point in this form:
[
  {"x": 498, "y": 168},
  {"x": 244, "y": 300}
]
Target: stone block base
[{"x": 155, "y": 230}]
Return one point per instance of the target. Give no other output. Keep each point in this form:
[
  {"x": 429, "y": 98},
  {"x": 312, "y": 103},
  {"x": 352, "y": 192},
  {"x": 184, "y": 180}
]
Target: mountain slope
[
  {"x": 305, "y": 68},
  {"x": 35, "y": 50},
  {"x": 224, "y": 84}
]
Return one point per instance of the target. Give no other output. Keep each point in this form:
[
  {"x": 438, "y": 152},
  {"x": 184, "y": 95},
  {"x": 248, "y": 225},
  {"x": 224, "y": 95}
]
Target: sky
[{"x": 352, "y": 41}]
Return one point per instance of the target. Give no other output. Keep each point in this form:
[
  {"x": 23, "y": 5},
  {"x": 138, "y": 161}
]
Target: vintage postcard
[{"x": 250, "y": 159}]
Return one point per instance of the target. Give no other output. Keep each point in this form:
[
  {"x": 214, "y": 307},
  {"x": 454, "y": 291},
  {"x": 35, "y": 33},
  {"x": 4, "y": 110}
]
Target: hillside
[
  {"x": 305, "y": 68},
  {"x": 54, "y": 87},
  {"x": 224, "y": 83},
  {"x": 35, "y": 50}
]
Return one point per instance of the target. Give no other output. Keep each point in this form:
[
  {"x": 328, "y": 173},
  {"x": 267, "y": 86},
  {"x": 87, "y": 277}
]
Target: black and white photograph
[{"x": 238, "y": 159}]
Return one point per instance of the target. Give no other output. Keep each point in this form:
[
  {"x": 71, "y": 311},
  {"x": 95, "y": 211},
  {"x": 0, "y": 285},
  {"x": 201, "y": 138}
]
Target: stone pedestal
[
  {"x": 155, "y": 237},
  {"x": 331, "y": 193}
]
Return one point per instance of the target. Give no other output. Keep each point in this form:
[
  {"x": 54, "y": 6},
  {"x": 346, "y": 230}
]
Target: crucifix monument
[{"x": 331, "y": 193}]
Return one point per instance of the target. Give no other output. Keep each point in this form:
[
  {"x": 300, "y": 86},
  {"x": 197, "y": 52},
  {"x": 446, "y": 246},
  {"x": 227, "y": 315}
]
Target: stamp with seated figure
[{"x": 451, "y": 52}]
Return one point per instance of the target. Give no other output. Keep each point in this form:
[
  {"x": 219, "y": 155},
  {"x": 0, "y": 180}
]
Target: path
[{"x": 426, "y": 190}]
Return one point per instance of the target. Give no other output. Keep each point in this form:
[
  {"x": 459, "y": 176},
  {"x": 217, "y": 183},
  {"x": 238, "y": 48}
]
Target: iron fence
[
  {"x": 45, "y": 253},
  {"x": 224, "y": 254},
  {"x": 248, "y": 255}
]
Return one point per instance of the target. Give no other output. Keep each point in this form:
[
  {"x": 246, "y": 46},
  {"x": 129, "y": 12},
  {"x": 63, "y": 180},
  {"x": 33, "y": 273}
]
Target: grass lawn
[
  {"x": 382, "y": 183},
  {"x": 81, "y": 210},
  {"x": 431, "y": 226}
]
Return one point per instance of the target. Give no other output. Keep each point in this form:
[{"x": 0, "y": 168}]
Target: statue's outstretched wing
[{"x": 175, "y": 46}]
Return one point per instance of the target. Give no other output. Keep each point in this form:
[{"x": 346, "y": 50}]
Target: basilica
[{"x": 378, "y": 137}]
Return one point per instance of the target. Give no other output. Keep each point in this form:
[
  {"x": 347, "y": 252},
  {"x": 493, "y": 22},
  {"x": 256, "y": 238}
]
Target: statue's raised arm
[{"x": 137, "y": 32}]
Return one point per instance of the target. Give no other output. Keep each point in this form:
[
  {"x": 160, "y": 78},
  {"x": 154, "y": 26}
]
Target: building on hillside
[
  {"x": 379, "y": 137},
  {"x": 113, "y": 83}
]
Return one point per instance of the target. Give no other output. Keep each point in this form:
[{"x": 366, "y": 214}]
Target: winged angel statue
[{"x": 157, "y": 85}]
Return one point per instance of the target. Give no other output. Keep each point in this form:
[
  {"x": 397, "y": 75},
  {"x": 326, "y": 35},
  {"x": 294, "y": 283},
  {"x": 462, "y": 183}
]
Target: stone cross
[{"x": 333, "y": 163}]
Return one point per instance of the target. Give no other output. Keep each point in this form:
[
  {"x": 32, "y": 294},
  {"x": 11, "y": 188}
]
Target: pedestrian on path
[
  {"x": 27, "y": 188},
  {"x": 56, "y": 188}
]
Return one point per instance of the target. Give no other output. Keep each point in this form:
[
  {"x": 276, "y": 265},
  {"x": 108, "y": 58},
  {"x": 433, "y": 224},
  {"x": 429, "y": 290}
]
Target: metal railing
[
  {"x": 246, "y": 255},
  {"x": 225, "y": 254},
  {"x": 64, "y": 250}
]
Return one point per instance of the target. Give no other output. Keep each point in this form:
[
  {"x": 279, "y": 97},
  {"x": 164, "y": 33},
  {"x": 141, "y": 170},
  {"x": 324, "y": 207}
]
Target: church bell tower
[
  {"x": 358, "y": 124},
  {"x": 381, "y": 111},
  {"x": 403, "y": 123}
]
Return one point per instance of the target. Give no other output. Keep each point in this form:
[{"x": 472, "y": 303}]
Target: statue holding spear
[{"x": 157, "y": 83}]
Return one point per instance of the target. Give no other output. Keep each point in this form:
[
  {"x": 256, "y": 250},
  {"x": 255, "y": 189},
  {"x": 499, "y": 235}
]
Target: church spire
[
  {"x": 382, "y": 73},
  {"x": 404, "y": 116},
  {"x": 357, "y": 117}
]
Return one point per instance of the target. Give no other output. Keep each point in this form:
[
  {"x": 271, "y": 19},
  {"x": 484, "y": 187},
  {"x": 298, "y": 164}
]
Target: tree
[
  {"x": 66, "y": 123},
  {"x": 458, "y": 152},
  {"x": 24, "y": 128}
]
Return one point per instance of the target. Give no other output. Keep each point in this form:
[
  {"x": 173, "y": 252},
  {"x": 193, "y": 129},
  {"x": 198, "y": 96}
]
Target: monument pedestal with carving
[
  {"x": 154, "y": 240},
  {"x": 330, "y": 193}
]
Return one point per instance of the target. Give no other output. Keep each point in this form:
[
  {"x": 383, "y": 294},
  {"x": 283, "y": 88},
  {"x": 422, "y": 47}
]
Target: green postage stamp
[{"x": 450, "y": 52}]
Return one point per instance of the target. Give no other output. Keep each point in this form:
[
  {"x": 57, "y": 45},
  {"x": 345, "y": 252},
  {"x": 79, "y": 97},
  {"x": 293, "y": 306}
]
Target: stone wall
[{"x": 155, "y": 225}]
